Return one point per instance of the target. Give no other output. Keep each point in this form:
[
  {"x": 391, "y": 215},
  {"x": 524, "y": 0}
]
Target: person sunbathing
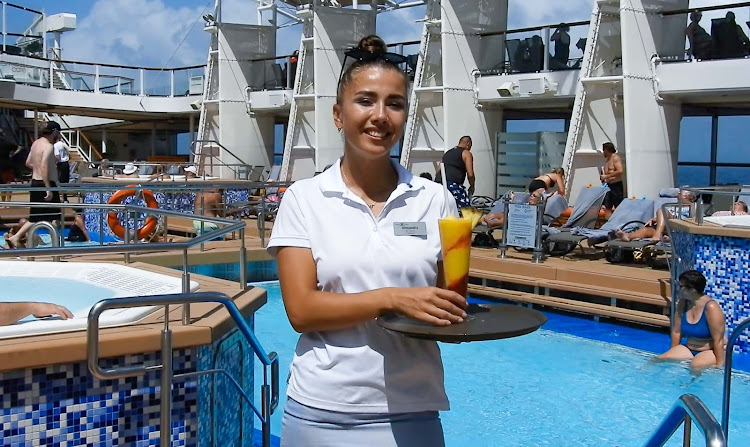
[
  {"x": 496, "y": 216},
  {"x": 738, "y": 209},
  {"x": 17, "y": 236},
  {"x": 655, "y": 228}
]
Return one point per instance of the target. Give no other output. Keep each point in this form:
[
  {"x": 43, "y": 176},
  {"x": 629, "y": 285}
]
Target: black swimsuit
[{"x": 541, "y": 184}]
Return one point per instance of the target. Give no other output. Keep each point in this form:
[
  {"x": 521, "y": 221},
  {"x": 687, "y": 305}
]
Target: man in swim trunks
[{"x": 43, "y": 165}]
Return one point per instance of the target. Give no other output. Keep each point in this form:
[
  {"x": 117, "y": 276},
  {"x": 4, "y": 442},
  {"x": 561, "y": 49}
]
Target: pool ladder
[
  {"x": 54, "y": 236},
  {"x": 689, "y": 408},
  {"x": 269, "y": 391}
]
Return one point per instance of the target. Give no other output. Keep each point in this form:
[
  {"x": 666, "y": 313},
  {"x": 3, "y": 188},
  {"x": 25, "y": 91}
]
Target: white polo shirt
[
  {"x": 365, "y": 369},
  {"x": 62, "y": 152}
]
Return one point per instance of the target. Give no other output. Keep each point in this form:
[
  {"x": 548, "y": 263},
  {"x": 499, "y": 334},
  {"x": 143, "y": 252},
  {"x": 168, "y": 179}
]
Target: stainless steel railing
[
  {"x": 728, "y": 374},
  {"x": 269, "y": 389},
  {"x": 687, "y": 409},
  {"x": 225, "y": 227}
]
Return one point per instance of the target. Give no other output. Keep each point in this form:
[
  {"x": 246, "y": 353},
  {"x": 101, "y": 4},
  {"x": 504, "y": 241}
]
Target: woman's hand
[{"x": 433, "y": 305}]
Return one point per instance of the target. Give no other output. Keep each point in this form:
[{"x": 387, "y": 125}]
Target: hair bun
[{"x": 373, "y": 44}]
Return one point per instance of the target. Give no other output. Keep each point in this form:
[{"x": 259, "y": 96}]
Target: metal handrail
[
  {"x": 201, "y": 141},
  {"x": 269, "y": 391},
  {"x": 687, "y": 409},
  {"x": 728, "y": 375}
]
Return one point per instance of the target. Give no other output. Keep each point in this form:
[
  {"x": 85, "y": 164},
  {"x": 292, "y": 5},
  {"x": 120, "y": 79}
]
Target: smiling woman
[{"x": 342, "y": 264}]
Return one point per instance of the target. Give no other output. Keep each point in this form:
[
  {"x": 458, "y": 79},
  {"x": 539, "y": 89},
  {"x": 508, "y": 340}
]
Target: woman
[
  {"x": 700, "y": 321},
  {"x": 343, "y": 262},
  {"x": 549, "y": 180}
]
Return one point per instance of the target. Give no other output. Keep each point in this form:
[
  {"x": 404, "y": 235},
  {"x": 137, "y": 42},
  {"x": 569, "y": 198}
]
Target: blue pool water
[
  {"x": 550, "y": 388},
  {"x": 75, "y": 295}
]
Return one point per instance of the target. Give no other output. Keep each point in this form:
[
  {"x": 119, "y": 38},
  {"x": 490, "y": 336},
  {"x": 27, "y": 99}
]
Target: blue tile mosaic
[
  {"x": 174, "y": 201},
  {"x": 228, "y": 419},
  {"x": 255, "y": 270},
  {"x": 725, "y": 262},
  {"x": 63, "y": 405}
]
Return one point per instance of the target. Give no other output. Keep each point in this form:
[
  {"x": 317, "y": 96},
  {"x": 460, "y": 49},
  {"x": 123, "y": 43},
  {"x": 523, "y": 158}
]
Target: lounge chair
[
  {"x": 629, "y": 214},
  {"x": 585, "y": 214},
  {"x": 618, "y": 251}
]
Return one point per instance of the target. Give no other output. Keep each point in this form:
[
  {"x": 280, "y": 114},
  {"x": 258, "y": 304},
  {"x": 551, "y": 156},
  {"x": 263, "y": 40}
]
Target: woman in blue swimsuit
[{"x": 699, "y": 320}]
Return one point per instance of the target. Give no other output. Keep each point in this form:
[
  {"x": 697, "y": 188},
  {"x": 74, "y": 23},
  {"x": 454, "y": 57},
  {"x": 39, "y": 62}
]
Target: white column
[{"x": 104, "y": 141}]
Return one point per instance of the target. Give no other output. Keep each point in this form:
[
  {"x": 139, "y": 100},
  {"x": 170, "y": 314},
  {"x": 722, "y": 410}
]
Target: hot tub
[
  {"x": 78, "y": 286},
  {"x": 48, "y": 396}
]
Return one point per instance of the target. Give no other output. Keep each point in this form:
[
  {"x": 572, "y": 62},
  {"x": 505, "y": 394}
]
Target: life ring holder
[{"x": 148, "y": 228}]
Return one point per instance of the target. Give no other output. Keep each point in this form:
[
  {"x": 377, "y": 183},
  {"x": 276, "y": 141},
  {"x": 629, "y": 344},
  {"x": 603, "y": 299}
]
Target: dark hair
[
  {"x": 608, "y": 146},
  {"x": 694, "y": 280},
  {"x": 376, "y": 46},
  {"x": 426, "y": 175},
  {"x": 464, "y": 139}
]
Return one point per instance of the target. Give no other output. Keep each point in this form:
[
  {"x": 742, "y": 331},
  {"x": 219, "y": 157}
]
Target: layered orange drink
[{"x": 455, "y": 241}]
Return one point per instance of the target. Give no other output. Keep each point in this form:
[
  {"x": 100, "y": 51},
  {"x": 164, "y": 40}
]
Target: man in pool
[{"x": 12, "y": 312}]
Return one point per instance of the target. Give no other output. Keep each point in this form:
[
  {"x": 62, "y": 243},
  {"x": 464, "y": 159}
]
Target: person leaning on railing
[{"x": 12, "y": 312}]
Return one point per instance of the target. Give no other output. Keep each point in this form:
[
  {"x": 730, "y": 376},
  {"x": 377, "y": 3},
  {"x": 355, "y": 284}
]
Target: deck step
[
  {"x": 636, "y": 316},
  {"x": 575, "y": 287}
]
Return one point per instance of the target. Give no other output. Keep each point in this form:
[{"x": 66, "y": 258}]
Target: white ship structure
[{"x": 626, "y": 75}]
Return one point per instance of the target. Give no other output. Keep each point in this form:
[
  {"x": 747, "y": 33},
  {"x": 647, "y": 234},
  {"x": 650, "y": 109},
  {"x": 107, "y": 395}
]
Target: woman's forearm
[{"x": 327, "y": 311}]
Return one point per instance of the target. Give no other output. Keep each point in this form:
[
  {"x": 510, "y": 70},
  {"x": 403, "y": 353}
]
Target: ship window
[
  {"x": 695, "y": 139},
  {"x": 732, "y": 140},
  {"x": 693, "y": 175}
]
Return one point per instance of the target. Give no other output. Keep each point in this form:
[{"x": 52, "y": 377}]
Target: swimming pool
[
  {"x": 547, "y": 388},
  {"x": 78, "y": 286}
]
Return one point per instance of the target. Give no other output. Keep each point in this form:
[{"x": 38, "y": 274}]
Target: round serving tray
[{"x": 484, "y": 322}]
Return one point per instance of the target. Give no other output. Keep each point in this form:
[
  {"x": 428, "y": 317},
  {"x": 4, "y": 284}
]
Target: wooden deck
[{"x": 578, "y": 284}]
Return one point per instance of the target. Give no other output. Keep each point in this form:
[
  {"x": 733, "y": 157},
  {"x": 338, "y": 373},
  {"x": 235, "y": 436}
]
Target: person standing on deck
[
  {"x": 43, "y": 165},
  {"x": 62, "y": 154},
  {"x": 459, "y": 165}
]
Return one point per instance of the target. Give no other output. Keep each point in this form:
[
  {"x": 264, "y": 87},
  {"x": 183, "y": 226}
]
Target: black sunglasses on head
[{"x": 369, "y": 56}]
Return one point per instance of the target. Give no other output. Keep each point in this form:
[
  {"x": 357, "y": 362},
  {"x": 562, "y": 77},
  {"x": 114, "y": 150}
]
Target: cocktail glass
[{"x": 455, "y": 241}]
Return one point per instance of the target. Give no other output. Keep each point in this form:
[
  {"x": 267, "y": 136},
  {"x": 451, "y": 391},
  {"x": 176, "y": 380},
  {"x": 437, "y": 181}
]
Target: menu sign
[{"x": 522, "y": 220}]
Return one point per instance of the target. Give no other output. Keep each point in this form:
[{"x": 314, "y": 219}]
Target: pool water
[{"x": 547, "y": 388}]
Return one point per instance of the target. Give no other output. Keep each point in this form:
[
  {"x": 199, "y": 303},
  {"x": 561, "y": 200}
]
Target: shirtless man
[
  {"x": 43, "y": 165},
  {"x": 612, "y": 176},
  {"x": 208, "y": 202}
]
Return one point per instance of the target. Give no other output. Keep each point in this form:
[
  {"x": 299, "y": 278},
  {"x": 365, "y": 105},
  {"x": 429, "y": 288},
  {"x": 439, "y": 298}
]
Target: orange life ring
[{"x": 148, "y": 228}]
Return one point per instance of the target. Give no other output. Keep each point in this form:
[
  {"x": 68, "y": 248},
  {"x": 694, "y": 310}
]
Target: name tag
[{"x": 410, "y": 229}]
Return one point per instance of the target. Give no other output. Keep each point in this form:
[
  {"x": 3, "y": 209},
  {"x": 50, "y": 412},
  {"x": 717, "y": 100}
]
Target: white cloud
[{"x": 138, "y": 32}]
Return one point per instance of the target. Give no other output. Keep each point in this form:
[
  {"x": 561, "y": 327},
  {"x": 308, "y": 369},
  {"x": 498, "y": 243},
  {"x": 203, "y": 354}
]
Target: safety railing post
[
  {"x": 128, "y": 235},
  {"x": 243, "y": 260},
  {"x": 166, "y": 382},
  {"x": 185, "y": 287}
]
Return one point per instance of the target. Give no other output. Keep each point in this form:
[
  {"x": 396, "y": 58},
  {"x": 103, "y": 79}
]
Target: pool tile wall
[
  {"x": 174, "y": 201},
  {"x": 725, "y": 262},
  {"x": 227, "y": 419},
  {"x": 63, "y": 405},
  {"x": 256, "y": 271}
]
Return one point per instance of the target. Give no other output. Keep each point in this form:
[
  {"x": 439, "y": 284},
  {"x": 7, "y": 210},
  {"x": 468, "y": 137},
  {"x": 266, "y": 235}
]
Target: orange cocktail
[{"x": 455, "y": 240}]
